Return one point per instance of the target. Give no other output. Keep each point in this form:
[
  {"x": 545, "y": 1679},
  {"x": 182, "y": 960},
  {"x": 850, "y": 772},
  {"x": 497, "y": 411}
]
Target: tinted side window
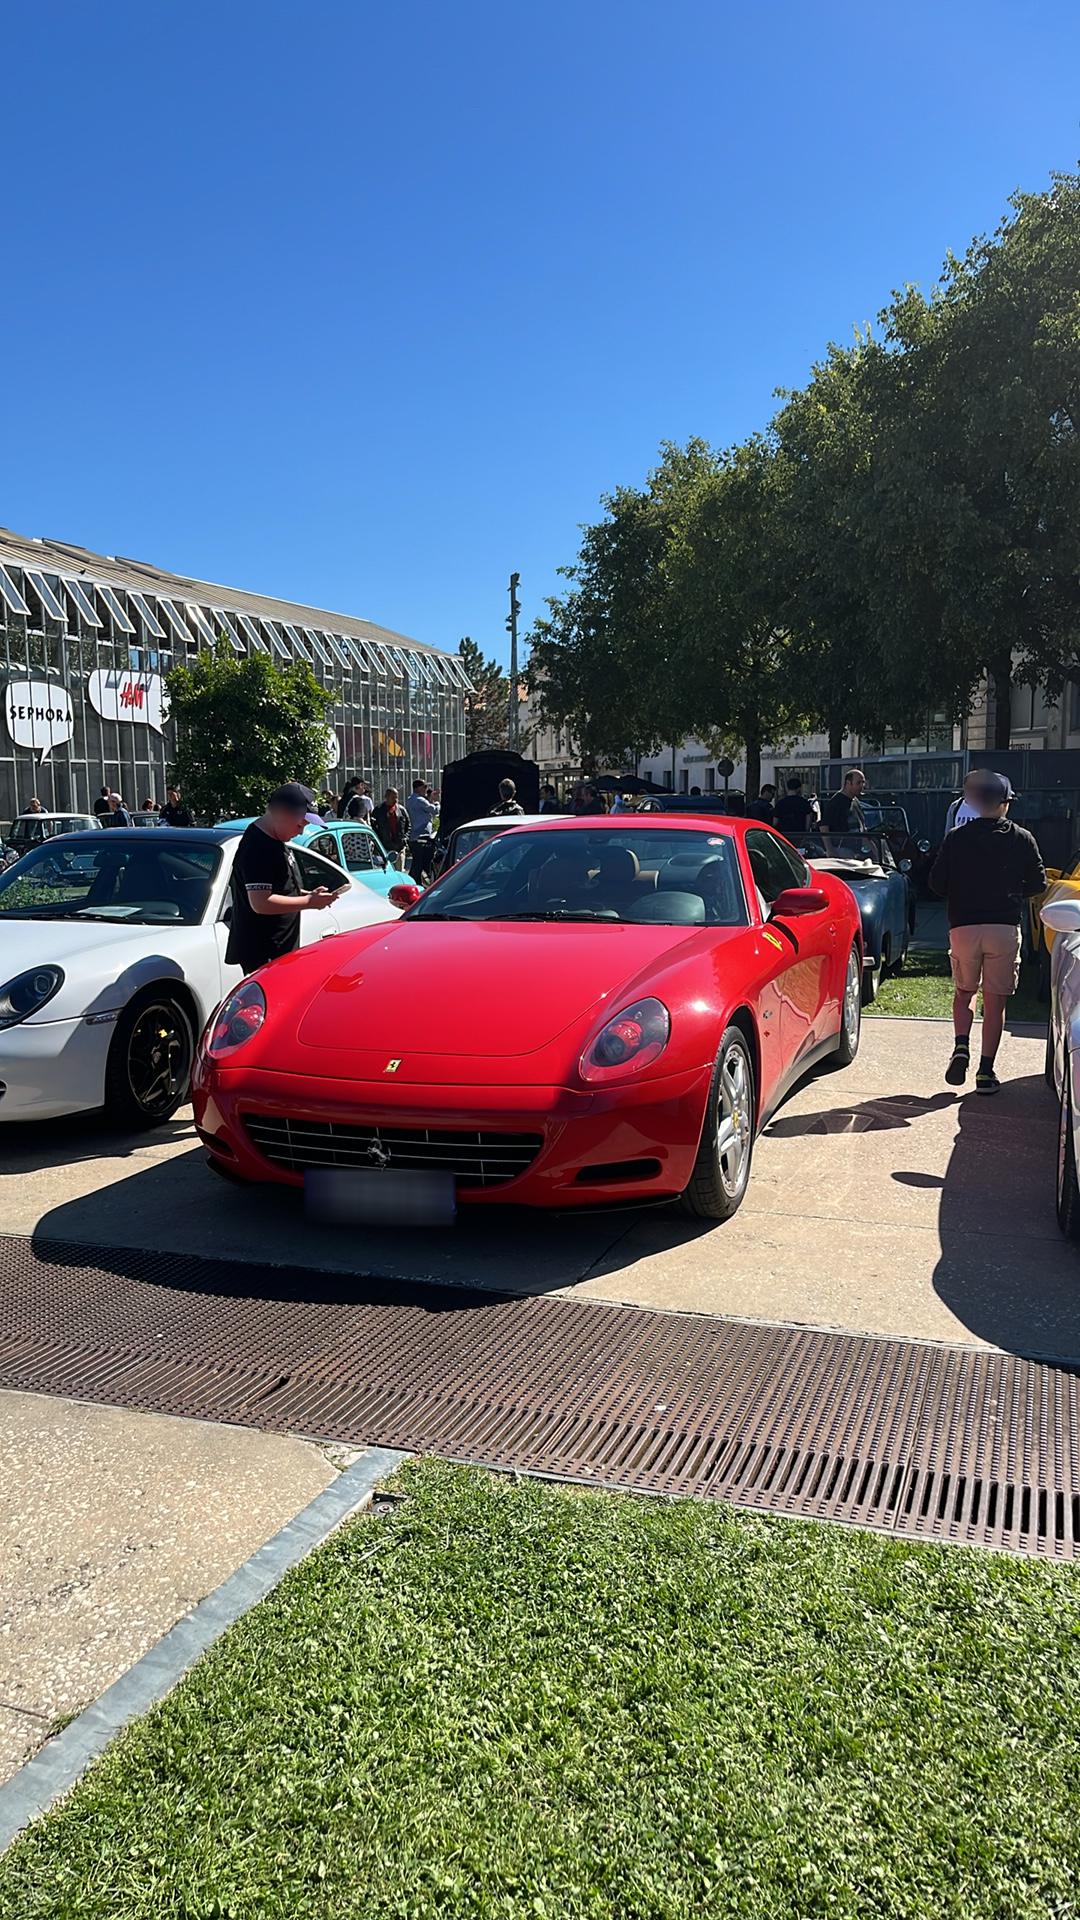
[{"x": 774, "y": 865}]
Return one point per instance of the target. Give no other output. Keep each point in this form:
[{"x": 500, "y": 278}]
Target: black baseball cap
[
  {"x": 292, "y": 797},
  {"x": 992, "y": 786}
]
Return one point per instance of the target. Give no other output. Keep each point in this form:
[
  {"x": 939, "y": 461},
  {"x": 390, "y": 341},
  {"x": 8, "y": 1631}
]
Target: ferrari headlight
[
  {"x": 627, "y": 1043},
  {"x": 236, "y": 1020},
  {"x": 27, "y": 992}
]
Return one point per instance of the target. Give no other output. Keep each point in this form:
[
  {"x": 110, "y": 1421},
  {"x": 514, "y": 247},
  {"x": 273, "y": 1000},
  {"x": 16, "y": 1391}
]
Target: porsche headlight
[
  {"x": 27, "y": 992},
  {"x": 627, "y": 1043},
  {"x": 236, "y": 1020}
]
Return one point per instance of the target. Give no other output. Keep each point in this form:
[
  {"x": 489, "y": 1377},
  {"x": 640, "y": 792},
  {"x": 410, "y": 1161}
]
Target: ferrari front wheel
[
  {"x": 722, "y": 1167},
  {"x": 847, "y": 1046}
]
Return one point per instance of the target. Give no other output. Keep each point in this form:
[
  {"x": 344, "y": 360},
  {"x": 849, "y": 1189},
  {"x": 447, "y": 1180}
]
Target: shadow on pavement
[
  {"x": 1019, "y": 1290},
  {"x": 870, "y": 1116}
]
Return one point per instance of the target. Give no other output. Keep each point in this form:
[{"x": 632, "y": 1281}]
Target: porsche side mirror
[
  {"x": 405, "y": 894},
  {"x": 1061, "y": 916},
  {"x": 795, "y": 901}
]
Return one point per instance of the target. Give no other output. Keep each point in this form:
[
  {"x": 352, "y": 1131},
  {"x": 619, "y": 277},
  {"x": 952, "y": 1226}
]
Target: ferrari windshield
[
  {"x": 623, "y": 873},
  {"x": 156, "y": 880}
]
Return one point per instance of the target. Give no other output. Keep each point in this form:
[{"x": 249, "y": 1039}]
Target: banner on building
[
  {"x": 124, "y": 695},
  {"x": 39, "y": 715}
]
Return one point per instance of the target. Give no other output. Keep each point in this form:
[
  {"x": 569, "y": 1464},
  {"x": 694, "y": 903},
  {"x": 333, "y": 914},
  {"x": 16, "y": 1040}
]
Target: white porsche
[{"x": 112, "y": 959}]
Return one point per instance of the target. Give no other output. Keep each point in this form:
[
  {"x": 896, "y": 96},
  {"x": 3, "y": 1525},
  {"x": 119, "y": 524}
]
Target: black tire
[
  {"x": 149, "y": 1069},
  {"x": 720, "y": 1177},
  {"x": 850, "y": 1013},
  {"x": 1068, "y": 1191},
  {"x": 897, "y": 966}
]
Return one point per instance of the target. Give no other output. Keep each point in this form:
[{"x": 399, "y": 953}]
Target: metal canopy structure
[{"x": 80, "y": 619}]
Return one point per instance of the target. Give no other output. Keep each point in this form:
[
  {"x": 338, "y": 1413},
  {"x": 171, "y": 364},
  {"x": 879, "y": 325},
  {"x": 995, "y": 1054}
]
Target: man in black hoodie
[{"x": 985, "y": 870}]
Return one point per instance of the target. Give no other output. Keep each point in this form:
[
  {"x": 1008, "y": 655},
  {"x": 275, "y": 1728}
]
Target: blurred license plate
[{"x": 345, "y": 1197}]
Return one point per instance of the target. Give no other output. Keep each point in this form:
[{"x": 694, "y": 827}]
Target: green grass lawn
[
  {"x": 516, "y": 1700},
  {"x": 924, "y": 990}
]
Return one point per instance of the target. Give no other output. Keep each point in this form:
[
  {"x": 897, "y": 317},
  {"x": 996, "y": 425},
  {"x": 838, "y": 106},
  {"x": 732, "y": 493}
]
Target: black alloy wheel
[{"x": 149, "y": 1067}]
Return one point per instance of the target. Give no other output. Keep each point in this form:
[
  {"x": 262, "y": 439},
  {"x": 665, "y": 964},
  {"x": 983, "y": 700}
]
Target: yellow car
[{"x": 1061, "y": 885}]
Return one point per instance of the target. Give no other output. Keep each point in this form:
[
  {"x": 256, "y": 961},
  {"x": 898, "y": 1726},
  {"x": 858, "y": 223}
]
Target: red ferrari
[{"x": 580, "y": 1012}]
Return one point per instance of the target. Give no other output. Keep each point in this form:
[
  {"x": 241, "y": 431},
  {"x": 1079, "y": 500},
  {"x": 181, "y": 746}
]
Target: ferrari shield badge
[{"x": 392, "y": 1066}]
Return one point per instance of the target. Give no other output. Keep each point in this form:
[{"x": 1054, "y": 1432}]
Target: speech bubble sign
[
  {"x": 118, "y": 694},
  {"x": 39, "y": 715}
]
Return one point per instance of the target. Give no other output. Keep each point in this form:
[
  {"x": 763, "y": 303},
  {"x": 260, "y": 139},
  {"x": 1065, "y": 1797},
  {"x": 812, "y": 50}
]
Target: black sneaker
[
  {"x": 956, "y": 1071},
  {"x": 986, "y": 1081}
]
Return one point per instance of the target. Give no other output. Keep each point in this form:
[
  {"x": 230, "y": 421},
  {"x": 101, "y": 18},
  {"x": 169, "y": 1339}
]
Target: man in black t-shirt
[
  {"x": 843, "y": 814},
  {"x": 986, "y": 870},
  {"x": 794, "y": 812},
  {"x": 267, "y": 898}
]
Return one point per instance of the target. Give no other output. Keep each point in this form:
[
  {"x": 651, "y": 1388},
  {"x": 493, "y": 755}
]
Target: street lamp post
[{"x": 514, "y": 730}]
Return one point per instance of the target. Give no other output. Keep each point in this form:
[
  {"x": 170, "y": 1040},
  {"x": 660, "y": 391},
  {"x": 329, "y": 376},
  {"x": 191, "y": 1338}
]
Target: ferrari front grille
[{"x": 476, "y": 1159}]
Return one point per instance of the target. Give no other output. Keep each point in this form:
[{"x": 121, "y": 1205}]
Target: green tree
[
  {"x": 487, "y": 707},
  {"x": 827, "y": 433},
  {"x": 730, "y": 580},
  {"x": 243, "y": 727},
  {"x": 974, "y": 533},
  {"x": 607, "y": 658}
]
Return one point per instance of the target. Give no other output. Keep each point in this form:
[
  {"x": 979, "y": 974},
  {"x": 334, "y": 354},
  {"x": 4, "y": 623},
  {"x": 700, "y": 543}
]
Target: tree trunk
[
  {"x": 836, "y": 740},
  {"x": 1001, "y": 687},
  {"x": 752, "y": 748}
]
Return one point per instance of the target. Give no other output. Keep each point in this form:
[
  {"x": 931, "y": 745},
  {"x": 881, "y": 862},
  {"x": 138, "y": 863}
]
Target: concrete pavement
[
  {"x": 880, "y": 1201},
  {"x": 113, "y": 1525}
]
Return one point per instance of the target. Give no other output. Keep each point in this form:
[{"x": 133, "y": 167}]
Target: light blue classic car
[
  {"x": 351, "y": 843},
  {"x": 885, "y": 896}
]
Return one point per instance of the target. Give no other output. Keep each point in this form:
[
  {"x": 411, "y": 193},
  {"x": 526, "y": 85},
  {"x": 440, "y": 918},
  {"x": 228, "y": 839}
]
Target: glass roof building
[{"x": 85, "y": 642}]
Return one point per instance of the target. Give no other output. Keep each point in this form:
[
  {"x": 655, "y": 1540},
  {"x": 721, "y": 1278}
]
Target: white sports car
[
  {"x": 112, "y": 959},
  {"x": 1063, "y": 1054}
]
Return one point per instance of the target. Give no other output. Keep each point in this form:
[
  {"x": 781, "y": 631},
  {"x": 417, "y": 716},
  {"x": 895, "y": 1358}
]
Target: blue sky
[{"x": 366, "y": 305}]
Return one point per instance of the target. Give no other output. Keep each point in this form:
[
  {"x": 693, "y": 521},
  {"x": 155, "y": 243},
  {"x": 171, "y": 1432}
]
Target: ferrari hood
[{"x": 488, "y": 989}]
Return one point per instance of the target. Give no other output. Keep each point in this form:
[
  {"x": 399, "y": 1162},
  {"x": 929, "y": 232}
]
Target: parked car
[
  {"x": 1041, "y": 934},
  {"x": 912, "y": 856},
  {"x": 30, "y": 829},
  {"x": 351, "y": 843},
  {"x": 581, "y": 1012},
  {"x": 113, "y": 958},
  {"x": 474, "y": 833},
  {"x": 1061, "y": 918},
  {"x": 885, "y": 895}
]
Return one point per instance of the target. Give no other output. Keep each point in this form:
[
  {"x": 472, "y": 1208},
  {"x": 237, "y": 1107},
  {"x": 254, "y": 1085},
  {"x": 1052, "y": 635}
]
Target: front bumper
[
  {"x": 657, "y": 1121},
  {"x": 52, "y": 1067}
]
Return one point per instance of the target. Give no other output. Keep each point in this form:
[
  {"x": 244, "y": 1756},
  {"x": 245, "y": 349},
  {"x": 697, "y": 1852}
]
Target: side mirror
[
  {"x": 795, "y": 901},
  {"x": 1061, "y": 916},
  {"x": 405, "y": 894}
]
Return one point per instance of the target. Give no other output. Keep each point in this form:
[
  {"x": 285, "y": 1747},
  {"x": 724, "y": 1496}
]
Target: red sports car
[{"x": 580, "y": 1012}]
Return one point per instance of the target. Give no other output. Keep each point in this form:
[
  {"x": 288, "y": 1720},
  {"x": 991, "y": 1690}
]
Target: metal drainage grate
[
  {"x": 929, "y": 1442},
  {"x": 476, "y": 1159}
]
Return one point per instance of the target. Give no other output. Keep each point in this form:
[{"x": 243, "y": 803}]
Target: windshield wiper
[
  {"x": 560, "y": 913},
  {"x": 441, "y": 916}
]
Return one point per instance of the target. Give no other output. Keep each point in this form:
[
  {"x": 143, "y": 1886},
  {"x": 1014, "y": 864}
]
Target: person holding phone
[{"x": 267, "y": 898}]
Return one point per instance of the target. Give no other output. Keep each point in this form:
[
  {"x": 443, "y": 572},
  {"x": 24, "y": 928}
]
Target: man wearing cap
[
  {"x": 985, "y": 869},
  {"x": 267, "y": 898}
]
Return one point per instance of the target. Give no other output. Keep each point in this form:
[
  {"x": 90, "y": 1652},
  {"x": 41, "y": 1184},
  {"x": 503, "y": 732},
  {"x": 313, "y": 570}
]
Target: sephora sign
[
  {"x": 39, "y": 715},
  {"x": 129, "y": 696}
]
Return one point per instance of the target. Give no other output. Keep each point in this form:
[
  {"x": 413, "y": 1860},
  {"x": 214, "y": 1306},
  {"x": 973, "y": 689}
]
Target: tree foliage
[
  {"x": 487, "y": 707},
  {"x": 908, "y": 524},
  {"x": 243, "y": 727}
]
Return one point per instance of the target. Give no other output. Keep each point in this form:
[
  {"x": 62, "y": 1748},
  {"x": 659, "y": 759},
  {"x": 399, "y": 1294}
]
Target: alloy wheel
[
  {"x": 734, "y": 1122},
  {"x": 158, "y": 1058}
]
